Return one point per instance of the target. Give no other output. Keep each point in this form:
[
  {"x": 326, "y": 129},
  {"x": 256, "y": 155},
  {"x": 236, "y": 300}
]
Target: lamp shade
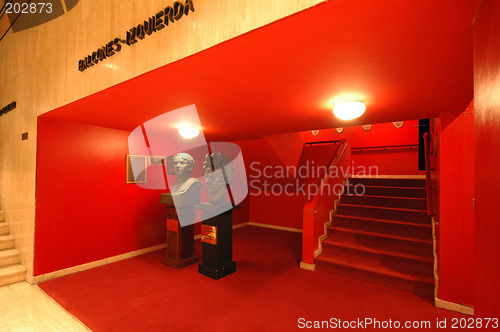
[{"x": 349, "y": 109}]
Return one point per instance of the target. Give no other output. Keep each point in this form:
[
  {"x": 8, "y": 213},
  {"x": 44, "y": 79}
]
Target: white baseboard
[
  {"x": 307, "y": 266},
  {"x": 109, "y": 260},
  {"x": 105, "y": 261},
  {"x": 454, "y": 307},
  {"x": 241, "y": 225},
  {"x": 91, "y": 265},
  {"x": 281, "y": 228}
]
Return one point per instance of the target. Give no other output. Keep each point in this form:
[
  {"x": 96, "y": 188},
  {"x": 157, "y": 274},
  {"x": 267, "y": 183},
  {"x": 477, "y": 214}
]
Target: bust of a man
[
  {"x": 214, "y": 177},
  {"x": 186, "y": 190}
]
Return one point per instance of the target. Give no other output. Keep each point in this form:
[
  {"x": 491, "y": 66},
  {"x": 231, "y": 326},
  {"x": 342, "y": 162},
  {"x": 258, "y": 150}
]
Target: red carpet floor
[{"x": 268, "y": 292}]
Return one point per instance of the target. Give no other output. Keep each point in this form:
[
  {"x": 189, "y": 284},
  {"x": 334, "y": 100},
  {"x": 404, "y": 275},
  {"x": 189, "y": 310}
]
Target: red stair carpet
[
  {"x": 383, "y": 236},
  {"x": 268, "y": 292}
]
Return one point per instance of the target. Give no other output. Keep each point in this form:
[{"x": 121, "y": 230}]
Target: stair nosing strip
[
  {"x": 343, "y": 229},
  {"x": 395, "y": 187},
  {"x": 383, "y": 207},
  {"x": 3, "y": 251},
  {"x": 401, "y": 222},
  {"x": 18, "y": 268},
  {"x": 388, "y": 197},
  {"x": 381, "y": 271},
  {"x": 381, "y": 251}
]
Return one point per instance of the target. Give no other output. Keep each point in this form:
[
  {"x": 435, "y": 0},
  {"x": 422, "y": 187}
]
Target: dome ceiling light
[
  {"x": 349, "y": 109},
  {"x": 189, "y": 132}
]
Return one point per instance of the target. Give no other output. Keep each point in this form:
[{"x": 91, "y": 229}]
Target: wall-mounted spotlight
[{"x": 349, "y": 109}]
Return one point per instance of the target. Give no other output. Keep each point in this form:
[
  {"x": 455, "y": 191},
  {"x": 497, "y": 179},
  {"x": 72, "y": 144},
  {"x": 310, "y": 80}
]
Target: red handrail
[
  {"x": 428, "y": 182},
  {"x": 385, "y": 147},
  {"x": 323, "y": 142},
  {"x": 316, "y": 212}
]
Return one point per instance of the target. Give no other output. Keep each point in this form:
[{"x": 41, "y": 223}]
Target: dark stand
[
  {"x": 180, "y": 243},
  {"x": 217, "y": 259}
]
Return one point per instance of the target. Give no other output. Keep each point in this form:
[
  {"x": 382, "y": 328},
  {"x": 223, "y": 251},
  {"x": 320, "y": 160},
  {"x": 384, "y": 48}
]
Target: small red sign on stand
[{"x": 172, "y": 225}]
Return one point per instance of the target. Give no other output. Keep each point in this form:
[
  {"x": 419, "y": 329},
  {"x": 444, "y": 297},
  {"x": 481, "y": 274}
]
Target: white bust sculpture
[{"x": 186, "y": 190}]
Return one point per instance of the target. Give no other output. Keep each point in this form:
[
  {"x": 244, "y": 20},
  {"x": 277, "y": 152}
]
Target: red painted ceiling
[{"x": 407, "y": 59}]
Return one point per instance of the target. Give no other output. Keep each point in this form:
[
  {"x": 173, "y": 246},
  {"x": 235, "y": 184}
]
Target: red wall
[
  {"x": 456, "y": 215},
  {"x": 487, "y": 158},
  {"x": 389, "y": 162},
  {"x": 84, "y": 210},
  {"x": 282, "y": 210},
  {"x": 266, "y": 207}
]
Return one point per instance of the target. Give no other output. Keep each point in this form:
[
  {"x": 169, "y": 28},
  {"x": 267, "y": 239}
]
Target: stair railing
[
  {"x": 385, "y": 147},
  {"x": 322, "y": 142},
  {"x": 331, "y": 160},
  {"x": 428, "y": 180},
  {"x": 316, "y": 212}
]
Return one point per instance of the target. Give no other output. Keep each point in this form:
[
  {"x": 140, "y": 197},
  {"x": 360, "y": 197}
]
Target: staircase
[
  {"x": 383, "y": 236},
  {"x": 10, "y": 269}
]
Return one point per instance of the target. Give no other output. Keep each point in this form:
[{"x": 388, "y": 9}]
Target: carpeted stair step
[
  {"x": 377, "y": 274},
  {"x": 392, "y": 227},
  {"x": 416, "y": 183},
  {"x": 6, "y": 242},
  {"x": 385, "y": 201},
  {"x": 11, "y": 274},
  {"x": 2, "y": 215},
  {"x": 385, "y": 191},
  {"x": 408, "y": 245},
  {"x": 381, "y": 234},
  {"x": 383, "y": 213},
  {"x": 4, "y": 228},
  {"x": 9, "y": 257},
  {"x": 393, "y": 259}
]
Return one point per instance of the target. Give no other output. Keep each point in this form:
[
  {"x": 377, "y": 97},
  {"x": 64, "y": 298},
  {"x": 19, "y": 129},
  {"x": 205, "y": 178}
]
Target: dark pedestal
[
  {"x": 180, "y": 242},
  {"x": 217, "y": 256},
  {"x": 180, "y": 247}
]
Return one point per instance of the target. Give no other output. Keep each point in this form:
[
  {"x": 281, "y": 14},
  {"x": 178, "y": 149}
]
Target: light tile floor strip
[{"x": 26, "y": 308}]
